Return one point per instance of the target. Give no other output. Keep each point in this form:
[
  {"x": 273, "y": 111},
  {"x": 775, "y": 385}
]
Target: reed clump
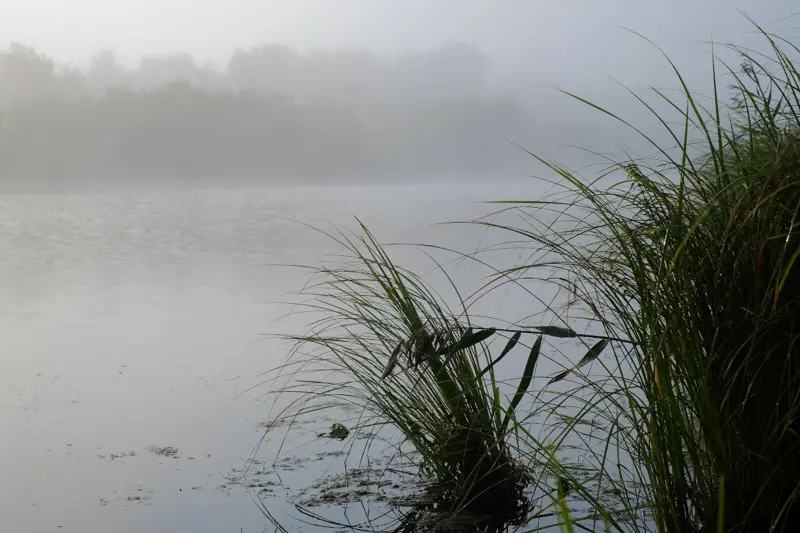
[
  {"x": 389, "y": 345},
  {"x": 688, "y": 266},
  {"x": 694, "y": 259}
]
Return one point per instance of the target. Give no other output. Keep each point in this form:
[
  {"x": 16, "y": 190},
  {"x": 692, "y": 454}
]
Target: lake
[{"x": 133, "y": 323}]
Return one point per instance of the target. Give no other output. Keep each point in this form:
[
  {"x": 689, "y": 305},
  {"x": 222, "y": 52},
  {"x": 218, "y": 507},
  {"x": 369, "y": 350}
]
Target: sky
[{"x": 565, "y": 39}]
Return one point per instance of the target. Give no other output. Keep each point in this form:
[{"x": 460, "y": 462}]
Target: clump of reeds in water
[
  {"x": 388, "y": 344},
  {"x": 690, "y": 261},
  {"x": 696, "y": 260}
]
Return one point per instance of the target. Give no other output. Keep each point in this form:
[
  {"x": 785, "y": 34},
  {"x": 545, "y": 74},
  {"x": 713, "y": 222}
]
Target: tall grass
[
  {"x": 687, "y": 263},
  {"x": 383, "y": 341},
  {"x": 695, "y": 260},
  {"x": 387, "y": 343}
]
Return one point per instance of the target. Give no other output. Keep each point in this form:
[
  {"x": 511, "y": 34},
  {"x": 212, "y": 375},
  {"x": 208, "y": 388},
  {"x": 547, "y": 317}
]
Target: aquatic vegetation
[
  {"x": 339, "y": 432},
  {"x": 693, "y": 258},
  {"x": 388, "y": 344},
  {"x": 168, "y": 451},
  {"x": 684, "y": 268}
]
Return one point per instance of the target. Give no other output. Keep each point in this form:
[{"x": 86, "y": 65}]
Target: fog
[
  {"x": 105, "y": 95},
  {"x": 271, "y": 115},
  {"x": 159, "y": 159}
]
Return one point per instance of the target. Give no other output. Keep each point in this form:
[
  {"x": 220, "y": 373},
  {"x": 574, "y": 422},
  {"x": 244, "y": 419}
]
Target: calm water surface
[{"x": 135, "y": 320}]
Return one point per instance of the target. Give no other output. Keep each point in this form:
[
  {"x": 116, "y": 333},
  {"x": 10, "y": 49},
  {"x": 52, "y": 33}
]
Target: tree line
[{"x": 271, "y": 114}]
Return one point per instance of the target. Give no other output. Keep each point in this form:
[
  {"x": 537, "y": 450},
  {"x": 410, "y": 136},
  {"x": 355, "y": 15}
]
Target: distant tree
[
  {"x": 272, "y": 114},
  {"x": 105, "y": 73},
  {"x": 25, "y": 76}
]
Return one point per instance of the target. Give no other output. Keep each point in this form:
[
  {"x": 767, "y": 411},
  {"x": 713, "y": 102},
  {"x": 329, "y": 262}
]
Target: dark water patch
[
  {"x": 114, "y": 456},
  {"x": 287, "y": 424},
  {"x": 292, "y": 463},
  {"x": 366, "y": 435},
  {"x": 325, "y": 455},
  {"x": 359, "y": 485},
  {"x": 338, "y": 431},
  {"x": 135, "y": 495},
  {"x": 257, "y": 477},
  {"x": 168, "y": 451}
]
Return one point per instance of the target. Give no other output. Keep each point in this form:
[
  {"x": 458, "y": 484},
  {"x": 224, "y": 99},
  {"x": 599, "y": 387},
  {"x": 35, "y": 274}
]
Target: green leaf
[
  {"x": 497, "y": 409},
  {"x": 593, "y": 353},
  {"x": 556, "y": 331},
  {"x": 560, "y": 376},
  {"x": 524, "y": 383},
  {"x": 563, "y": 487},
  {"x": 511, "y": 343},
  {"x": 471, "y": 339}
]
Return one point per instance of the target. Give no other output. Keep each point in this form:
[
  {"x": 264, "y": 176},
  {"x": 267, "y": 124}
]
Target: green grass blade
[{"x": 524, "y": 382}]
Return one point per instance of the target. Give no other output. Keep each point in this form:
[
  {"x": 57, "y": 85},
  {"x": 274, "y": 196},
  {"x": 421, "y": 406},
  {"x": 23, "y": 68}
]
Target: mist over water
[
  {"x": 160, "y": 161},
  {"x": 271, "y": 115},
  {"x": 137, "y": 320}
]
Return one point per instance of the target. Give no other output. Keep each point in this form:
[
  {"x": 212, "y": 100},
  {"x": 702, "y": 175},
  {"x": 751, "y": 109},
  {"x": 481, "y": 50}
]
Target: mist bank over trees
[{"x": 271, "y": 115}]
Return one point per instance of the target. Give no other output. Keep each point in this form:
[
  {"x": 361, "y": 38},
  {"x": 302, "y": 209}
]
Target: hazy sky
[
  {"x": 566, "y": 39},
  {"x": 533, "y": 46}
]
